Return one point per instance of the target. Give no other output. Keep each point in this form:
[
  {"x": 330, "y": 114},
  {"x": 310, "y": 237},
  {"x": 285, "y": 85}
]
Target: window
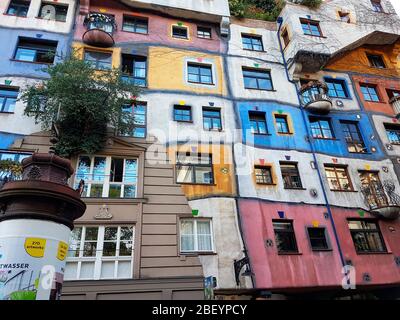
[
  {"x": 257, "y": 79},
  {"x": 180, "y": 32},
  {"x": 51, "y": 11},
  {"x": 101, "y": 21},
  {"x": 375, "y": 195},
  {"x": 352, "y": 134},
  {"x": 99, "y": 60},
  {"x": 318, "y": 239},
  {"x": 337, "y": 88},
  {"x": 194, "y": 168},
  {"x": 182, "y": 113},
  {"x": 11, "y": 156},
  {"x": 376, "y": 61},
  {"x": 138, "y": 111},
  {"x": 263, "y": 175},
  {"x": 338, "y": 178},
  {"x": 212, "y": 119},
  {"x": 100, "y": 252},
  {"x": 392, "y": 131},
  {"x": 282, "y": 124},
  {"x": 34, "y": 50},
  {"x": 196, "y": 235},
  {"x": 366, "y": 236},
  {"x": 203, "y": 32},
  {"x": 290, "y": 175},
  {"x": 321, "y": 128},
  {"x": 253, "y": 43},
  {"x": 377, "y": 6},
  {"x": 18, "y": 8},
  {"x": 285, "y": 37},
  {"x": 8, "y": 98},
  {"x": 258, "y": 123},
  {"x": 311, "y": 28},
  {"x": 392, "y": 93},
  {"x": 369, "y": 92},
  {"x": 344, "y": 16},
  {"x": 107, "y": 177},
  {"x": 134, "y": 69},
  {"x": 135, "y": 24},
  {"x": 198, "y": 73},
  {"x": 284, "y": 236}
]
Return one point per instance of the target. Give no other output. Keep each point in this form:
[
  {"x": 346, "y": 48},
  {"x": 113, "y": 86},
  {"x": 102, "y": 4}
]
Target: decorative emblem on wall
[
  {"x": 326, "y": 215},
  {"x": 194, "y": 149},
  {"x": 39, "y": 35},
  {"x": 315, "y": 223},
  {"x": 394, "y": 120},
  {"x": 334, "y": 160},
  {"x": 262, "y": 161},
  {"x": 372, "y": 137},
  {"x": 269, "y": 243},
  {"x": 367, "y": 167},
  {"x": 373, "y": 149},
  {"x": 7, "y": 82},
  {"x": 211, "y": 104},
  {"x": 34, "y": 173},
  {"x": 389, "y": 146},
  {"x": 361, "y": 213},
  {"x": 366, "y": 277},
  {"x": 313, "y": 193},
  {"x": 281, "y": 214},
  {"x": 391, "y": 229},
  {"x": 288, "y": 158},
  {"x": 195, "y": 212},
  {"x": 397, "y": 261},
  {"x": 385, "y": 169},
  {"x": 339, "y": 103},
  {"x": 256, "y": 65},
  {"x": 103, "y": 213},
  {"x": 349, "y": 262},
  {"x": 224, "y": 170},
  {"x": 358, "y": 116},
  {"x": 312, "y": 164}
]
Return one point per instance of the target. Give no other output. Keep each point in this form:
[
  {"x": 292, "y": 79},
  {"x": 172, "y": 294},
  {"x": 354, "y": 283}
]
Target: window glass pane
[
  {"x": 203, "y": 175},
  {"x": 71, "y": 271},
  {"x": 114, "y": 191},
  {"x": 75, "y": 242},
  {"x": 25, "y": 54},
  {"x": 109, "y": 249},
  {"x": 187, "y": 236},
  {"x": 124, "y": 269},
  {"x": 107, "y": 269},
  {"x": 87, "y": 270},
  {"x": 184, "y": 174}
]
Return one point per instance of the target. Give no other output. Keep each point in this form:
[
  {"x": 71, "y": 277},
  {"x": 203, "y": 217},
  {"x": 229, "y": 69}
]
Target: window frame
[
  {"x": 99, "y": 258},
  {"x": 136, "y": 22},
  {"x": 377, "y": 200},
  {"x": 6, "y": 97},
  {"x": 201, "y": 34},
  {"x": 291, "y": 175},
  {"x": 326, "y": 238},
  {"x": 174, "y": 27},
  {"x": 253, "y": 37},
  {"x": 291, "y": 231},
  {"x": 377, "y": 6},
  {"x": 345, "y": 126},
  {"x": 262, "y": 118},
  {"x": 369, "y": 86},
  {"x": 196, "y": 235},
  {"x": 333, "y": 168},
  {"x": 130, "y": 75},
  {"x": 257, "y": 176},
  {"x": 204, "y": 117},
  {"x": 268, "y": 77},
  {"x": 20, "y": 6},
  {"x": 309, "y": 23},
  {"x": 34, "y": 44},
  {"x": 191, "y": 64},
  {"x": 138, "y": 125},
  {"x": 184, "y": 108},
  {"x": 391, "y": 127},
  {"x": 377, "y": 230},
  {"x": 96, "y": 67},
  {"x": 312, "y": 119},
  {"x": 342, "y": 83},
  {"x": 279, "y": 124},
  {"x": 373, "y": 58},
  {"x": 193, "y": 166},
  {"x": 58, "y": 6}
]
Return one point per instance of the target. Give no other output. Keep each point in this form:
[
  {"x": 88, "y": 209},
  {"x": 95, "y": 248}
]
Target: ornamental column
[{"x": 37, "y": 215}]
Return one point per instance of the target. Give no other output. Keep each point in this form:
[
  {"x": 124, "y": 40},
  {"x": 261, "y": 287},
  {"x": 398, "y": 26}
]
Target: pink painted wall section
[
  {"x": 308, "y": 268},
  {"x": 159, "y": 28},
  {"x": 273, "y": 271},
  {"x": 381, "y": 267}
]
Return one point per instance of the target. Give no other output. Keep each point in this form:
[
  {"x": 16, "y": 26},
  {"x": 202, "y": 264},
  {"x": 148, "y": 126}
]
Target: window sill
[
  {"x": 6, "y": 112},
  {"x": 322, "y": 250},
  {"x": 183, "y": 121},
  {"x": 311, "y": 35},
  {"x": 13, "y": 15},
  {"x": 197, "y": 253},
  {"x": 113, "y": 200},
  {"x": 261, "y": 134},
  {"x": 289, "y": 253},
  {"x": 329, "y": 139},
  {"x": 258, "y": 51},
  {"x": 302, "y": 189},
  {"x": 197, "y": 184},
  {"x": 202, "y": 84},
  {"x": 32, "y": 62},
  {"x": 145, "y": 34},
  {"x": 351, "y": 191},
  {"x": 204, "y": 38},
  {"x": 266, "y": 184},
  {"x": 339, "y": 98},
  {"x": 55, "y": 20},
  {"x": 284, "y": 133},
  {"x": 370, "y": 253},
  {"x": 266, "y": 90}
]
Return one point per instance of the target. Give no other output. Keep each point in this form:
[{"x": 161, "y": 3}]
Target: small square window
[
  {"x": 258, "y": 123},
  {"x": 370, "y": 92},
  {"x": 284, "y": 236},
  {"x": 344, "y": 16},
  {"x": 338, "y": 178},
  {"x": 259, "y": 79},
  {"x": 203, "y": 32},
  {"x": 377, "y": 6},
  {"x": 253, "y": 43},
  {"x": 263, "y": 175},
  {"x": 180, "y": 32},
  {"x": 51, "y": 11},
  {"x": 321, "y": 128},
  {"x": 196, "y": 235},
  {"x": 285, "y": 37},
  {"x": 8, "y": 99},
  {"x": 138, "y": 111},
  {"x": 212, "y": 119},
  {"x": 290, "y": 175},
  {"x": 135, "y": 24},
  {"x": 367, "y": 236},
  {"x": 376, "y": 61},
  {"x": 134, "y": 69},
  {"x": 34, "y": 50},
  {"x": 200, "y": 73},
  {"x": 337, "y": 88},
  {"x": 18, "y": 8},
  {"x": 182, "y": 113},
  {"x": 282, "y": 124},
  {"x": 194, "y": 168},
  {"x": 311, "y": 28},
  {"x": 392, "y": 132},
  {"x": 318, "y": 239}
]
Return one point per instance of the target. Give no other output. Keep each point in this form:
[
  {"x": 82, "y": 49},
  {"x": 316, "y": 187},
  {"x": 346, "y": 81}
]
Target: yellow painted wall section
[
  {"x": 357, "y": 61},
  {"x": 79, "y": 49},
  {"x": 168, "y": 70},
  {"x": 223, "y": 170}
]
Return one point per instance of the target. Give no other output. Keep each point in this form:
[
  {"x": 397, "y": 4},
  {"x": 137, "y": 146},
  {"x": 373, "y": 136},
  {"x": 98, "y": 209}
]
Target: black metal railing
[
  {"x": 378, "y": 195},
  {"x": 101, "y": 22},
  {"x": 6, "y": 176},
  {"x": 314, "y": 91}
]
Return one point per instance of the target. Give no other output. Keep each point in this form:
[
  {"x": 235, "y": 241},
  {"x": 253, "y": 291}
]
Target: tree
[{"x": 81, "y": 103}]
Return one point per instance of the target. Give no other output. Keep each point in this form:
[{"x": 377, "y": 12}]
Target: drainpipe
[{"x": 328, "y": 207}]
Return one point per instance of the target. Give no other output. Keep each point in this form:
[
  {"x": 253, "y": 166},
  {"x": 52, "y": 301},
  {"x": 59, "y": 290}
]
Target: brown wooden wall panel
[
  {"x": 159, "y": 172},
  {"x": 165, "y": 208},
  {"x": 158, "y": 181},
  {"x": 170, "y": 272},
  {"x": 159, "y": 251},
  {"x": 159, "y": 218},
  {"x": 167, "y": 199},
  {"x": 160, "y": 239},
  {"x": 153, "y": 229},
  {"x": 167, "y": 190},
  {"x": 169, "y": 262}
]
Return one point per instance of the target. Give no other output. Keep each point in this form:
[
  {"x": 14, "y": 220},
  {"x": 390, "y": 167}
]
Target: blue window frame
[
  {"x": 352, "y": 134},
  {"x": 34, "y": 50},
  {"x": 99, "y": 60},
  {"x": 182, "y": 113},
  {"x": 257, "y": 79},
  {"x": 18, "y": 8},
  {"x": 337, "y": 88},
  {"x": 135, "y": 24},
  {"x": 369, "y": 92},
  {"x": 258, "y": 124},
  {"x": 198, "y": 73},
  {"x": 311, "y": 28},
  {"x": 8, "y": 98},
  {"x": 253, "y": 43},
  {"x": 138, "y": 110},
  {"x": 212, "y": 119},
  {"x": 321, "y": 128},
  {"x": 134, "y": 69}
]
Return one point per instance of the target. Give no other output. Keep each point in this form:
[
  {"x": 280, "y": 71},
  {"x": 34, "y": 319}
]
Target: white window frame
[
  {"x": 106, "y": 183},
  {"x": 196, "y": 246},
  {"x": 98, "y": 259}
]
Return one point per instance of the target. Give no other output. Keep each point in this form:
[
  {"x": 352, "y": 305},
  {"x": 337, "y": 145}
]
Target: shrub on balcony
[
  {"x": 256, "y": 9},
  {"x": 80, "y": 103}
]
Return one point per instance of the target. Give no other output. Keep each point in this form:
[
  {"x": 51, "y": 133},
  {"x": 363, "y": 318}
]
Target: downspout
[{"x": 328, "y": 207}]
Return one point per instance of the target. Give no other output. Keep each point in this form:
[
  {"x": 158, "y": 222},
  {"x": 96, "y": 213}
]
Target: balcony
[
  {"x": 382, "y": 200},
  {"x": 315, "y": 97},
  {"x": 395, "y": 102},
  {"x": 100, "y": 29}
]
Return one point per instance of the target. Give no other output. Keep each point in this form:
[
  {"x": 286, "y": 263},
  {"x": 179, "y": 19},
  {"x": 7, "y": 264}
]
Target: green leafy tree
[{"x": 81, "y": 103}]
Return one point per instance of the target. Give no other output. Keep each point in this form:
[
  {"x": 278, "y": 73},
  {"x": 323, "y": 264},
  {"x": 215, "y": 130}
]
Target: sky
[{"x": 396, "y": 5}]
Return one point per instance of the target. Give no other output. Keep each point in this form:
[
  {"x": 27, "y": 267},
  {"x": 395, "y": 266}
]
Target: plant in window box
[{"x": 81, "y": 103}]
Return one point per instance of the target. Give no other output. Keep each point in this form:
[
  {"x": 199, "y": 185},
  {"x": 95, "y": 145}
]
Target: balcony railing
[
  {"x": 382, "y": 199},
  {"x": 315, "y": 97},
  {"x": 395, "y": 102},
  {"x": 100, "y": 29},
  {"x": 8, "y": 177}
]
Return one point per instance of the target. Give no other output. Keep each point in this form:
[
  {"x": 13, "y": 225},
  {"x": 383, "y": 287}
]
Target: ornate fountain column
[{"x": 37, "y": 215}]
